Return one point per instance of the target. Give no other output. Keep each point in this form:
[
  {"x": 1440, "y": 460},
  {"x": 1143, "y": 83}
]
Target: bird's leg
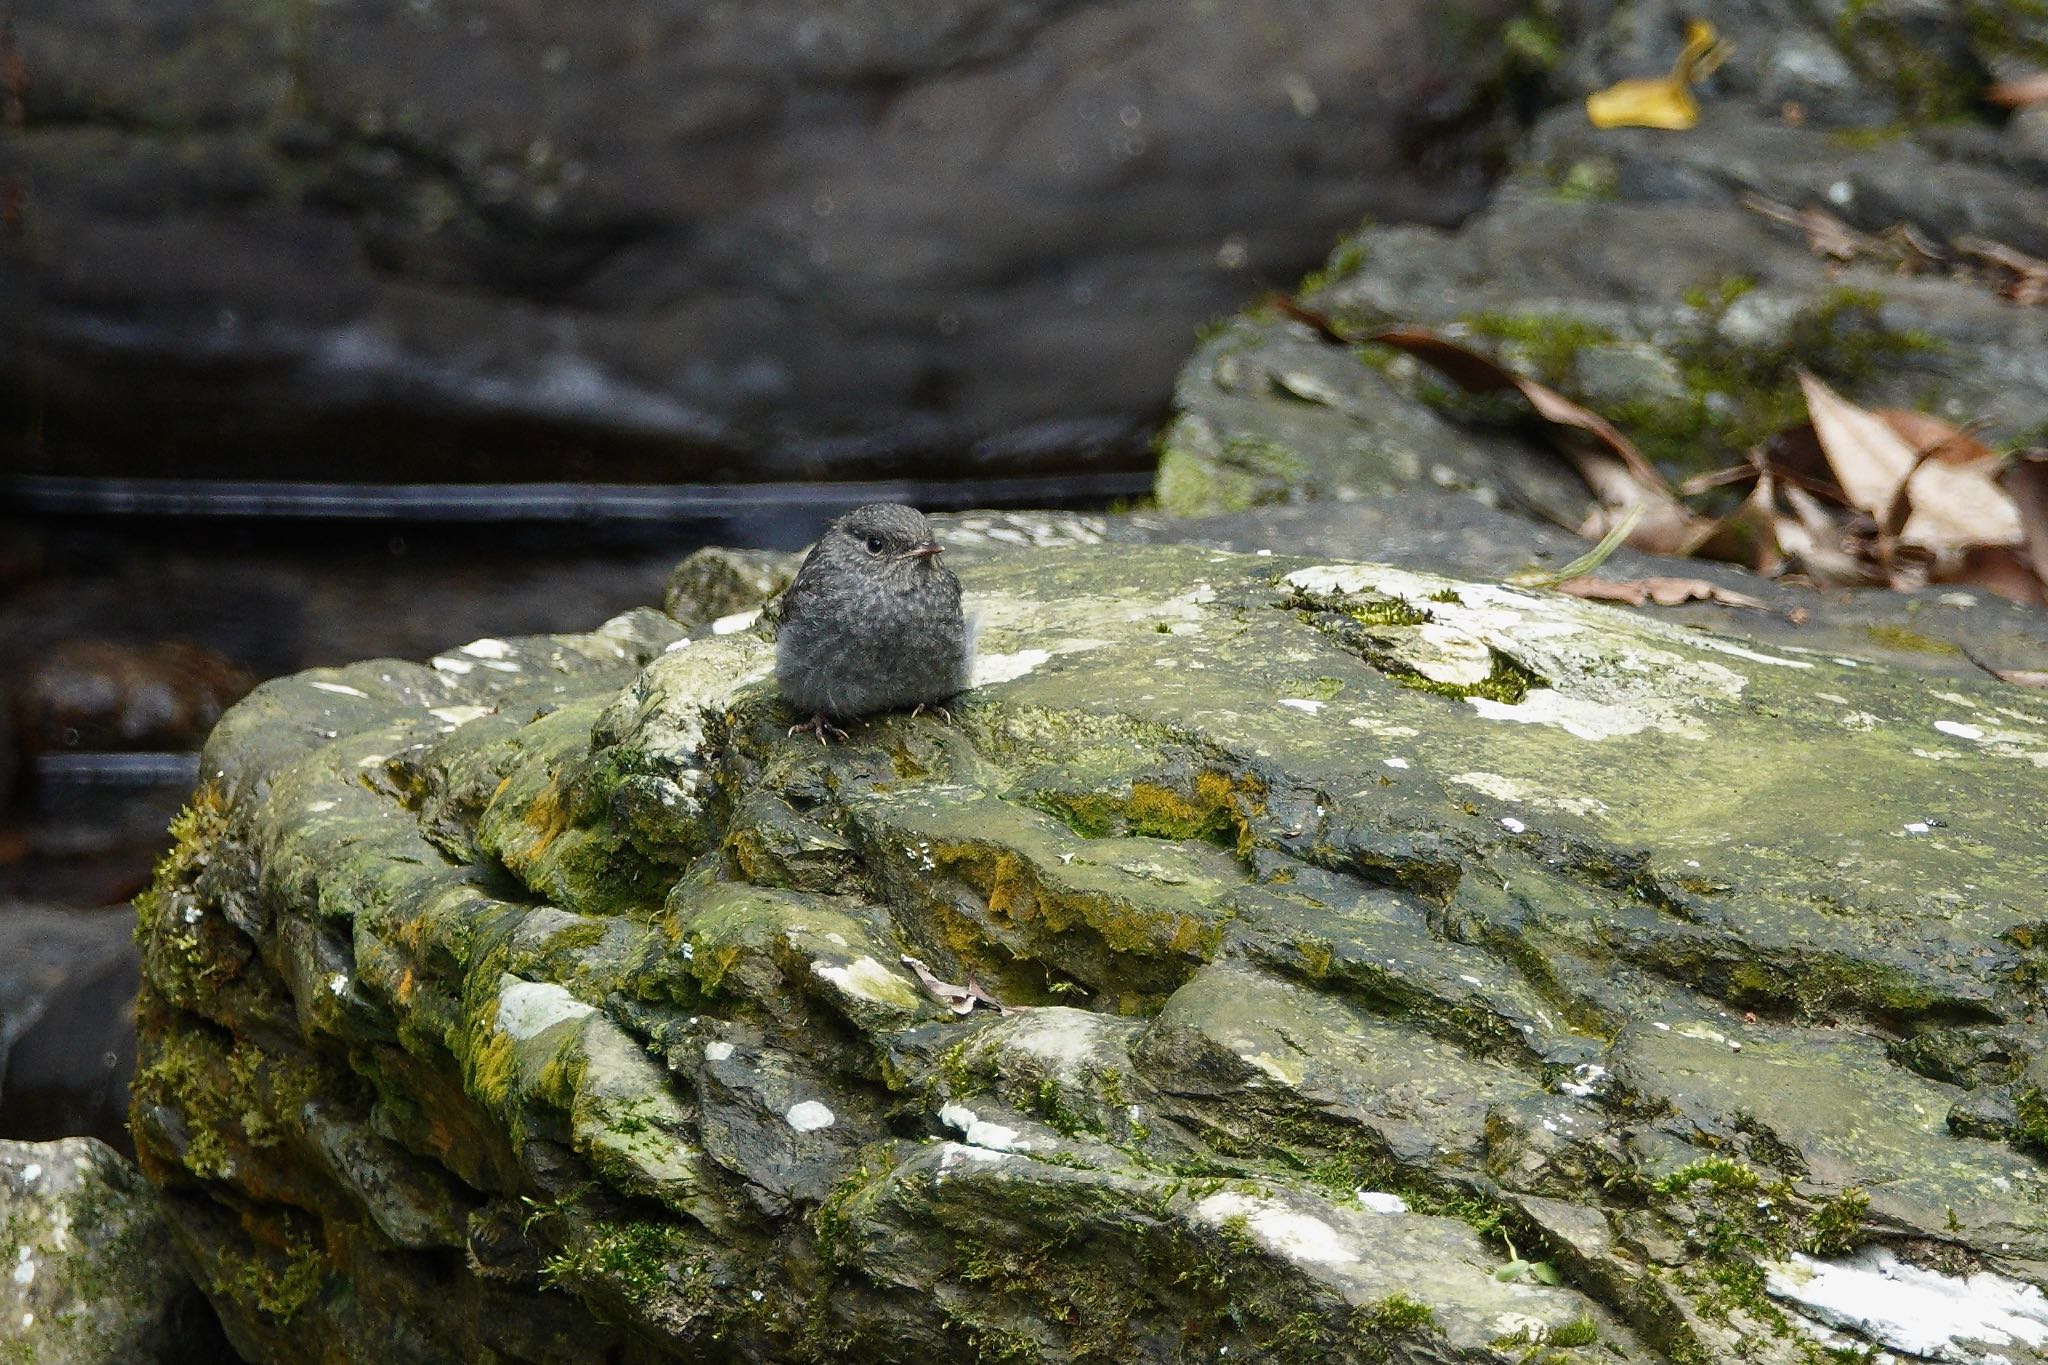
[
  {"x": 821, "y": 726},
  {"x": 941, "y": 712}
]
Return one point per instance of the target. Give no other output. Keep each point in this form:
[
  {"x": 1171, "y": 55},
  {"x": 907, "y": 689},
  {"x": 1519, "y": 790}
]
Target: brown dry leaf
[
  {"x": 2020, "y": 91},
  {"x": 1998, "y": 569},
  {"x": 1817, "y": 544},
  {"x": 2026, "y": 480},
  {"x": 959, "y": 999},
  {"x": 1952, "y": 507},
  {"x": 1619, "y": 477},
  {"x": 2022, "y": 278},
  {"x": 1476, "y": 373},
  {"x": 1749, "y": 534},
  {"x": 1826, "y": 235},
  {"x": 1935, "y": 438},
  {"x": 1664, "y": 592},
  {"x": 1662, "y": 101}
]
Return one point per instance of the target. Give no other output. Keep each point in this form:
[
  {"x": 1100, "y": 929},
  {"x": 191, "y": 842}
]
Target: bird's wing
[{"x": 803, "y": 590}]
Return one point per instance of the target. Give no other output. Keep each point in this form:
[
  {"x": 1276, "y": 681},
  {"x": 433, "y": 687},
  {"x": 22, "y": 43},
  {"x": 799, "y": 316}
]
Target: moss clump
[
  {"x": 1377, "y": 1327},
  {"x": 2031, "y": 1107},
  {"x": 637, "y": 1259},
  {"x": 1347, "y": 260},
  {"x": 1216, "y": 808},
  {"x": 1545, "y": 344},
  {"x": 1717, "y": 1171}
]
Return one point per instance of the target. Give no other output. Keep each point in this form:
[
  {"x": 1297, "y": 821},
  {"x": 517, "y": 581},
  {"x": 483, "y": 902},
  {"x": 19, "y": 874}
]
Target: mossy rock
[{"x": 1349, "y": 1020}]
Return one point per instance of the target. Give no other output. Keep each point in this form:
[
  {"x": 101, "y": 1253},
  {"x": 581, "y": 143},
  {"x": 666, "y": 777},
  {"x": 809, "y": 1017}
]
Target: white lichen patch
[
  {"x": 456, "y": 666},
  {"x": 1001, "y": 668},
  {"x": 717, "y": 1052},
  {"x": 526, "y": 1008},
  {"x": 1058, "y": 1035},
  {"x": 1983, "y": 1317},
  {"x": 953, "y": 1155},
  {"x": 1305, "y": 705},
  {"x": 809, "y": 1116},
  {"x": 735, "y": 623},
  {"x": 1295, "y": 1235},
  {"x": 869, "y": 980},
  {"x": 1286, "y": 1070},
  {"x": 1379, "y": 1201},
  {"x": 1491, "y": 784},
  {"x": 1587, "y": 719},
  {"x": 343, "y": 688},
  {"x": 1610, "y": 674},
  {"x": 979, "y": 1132},
  {"x": 458, "y": 715},
  {"x": 1754, "y": 656}
]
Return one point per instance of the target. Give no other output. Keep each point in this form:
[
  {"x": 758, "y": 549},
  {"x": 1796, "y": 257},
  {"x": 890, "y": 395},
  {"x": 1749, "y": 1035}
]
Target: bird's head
[{"x": 888, "y": 536}]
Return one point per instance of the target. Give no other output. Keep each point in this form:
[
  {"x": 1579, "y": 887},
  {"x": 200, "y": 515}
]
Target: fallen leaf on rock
[
  {"x": 2019, "y": 277},
  {"x": 1475, "y": 373},
  {"x": 1663, "y": 592},
  {"x": 959, "y": 999},
  {"x": 1620, "y": 479},
  {"x": 1749, "y": 534},
  {"x": 1950, "y": 507},
  {"x": 1662, "y": 101},
  {"x": 2020, "y": 91},
  {"x": 1997, "y": 569},
  {"x": 1826, "y": 235},
  {"x": 1935, "y": 437}
]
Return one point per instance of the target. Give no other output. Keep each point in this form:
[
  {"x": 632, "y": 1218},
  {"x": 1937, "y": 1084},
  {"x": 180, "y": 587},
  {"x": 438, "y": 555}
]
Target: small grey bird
[{"x": 871, "y": 623}]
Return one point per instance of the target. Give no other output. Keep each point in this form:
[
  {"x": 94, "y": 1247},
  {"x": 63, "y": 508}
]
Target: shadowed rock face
[
  {"x": 1394, "y": 946},
  {"x": 669, "y": 242}
]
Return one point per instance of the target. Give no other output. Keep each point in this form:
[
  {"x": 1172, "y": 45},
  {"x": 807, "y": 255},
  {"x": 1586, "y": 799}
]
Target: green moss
[
  {"x": 1216, "y": 807},
  {"x": 1586, "y": 181},
  {"x": 1836, "y": 1227},
  {"x": 1545, "y": 344},
  {"x": 633, "y": 1257},
  {"x": 1714, "y": 1170},
  {"x": 1718, "y": 297},
  {"x": 1580, "y": 1331},
  {"x": 2031, "y": 1107},
  {"x": 1347, "y": 260},
  {"x": 1898, "y": 637}
]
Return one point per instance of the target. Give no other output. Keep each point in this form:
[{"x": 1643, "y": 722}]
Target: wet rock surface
[
  {"x": 666, "y": 244},
  {"x": 1402, "y": 967},
  {"x": 91, "y": 1277}
]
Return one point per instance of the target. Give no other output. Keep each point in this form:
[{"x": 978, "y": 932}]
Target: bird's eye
[{"x": 874, "y": 545}]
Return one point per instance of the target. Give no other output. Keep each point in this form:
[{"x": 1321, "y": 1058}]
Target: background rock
[
  {"x": 1621, "y": 267},
  {"x": 67, "y": 1022},
  {"x": 91, "y": 1275},
  {"x": 501, "y": 239}
]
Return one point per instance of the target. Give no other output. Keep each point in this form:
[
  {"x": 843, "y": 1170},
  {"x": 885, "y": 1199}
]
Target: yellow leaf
[{"x": 1662, "y": 101}]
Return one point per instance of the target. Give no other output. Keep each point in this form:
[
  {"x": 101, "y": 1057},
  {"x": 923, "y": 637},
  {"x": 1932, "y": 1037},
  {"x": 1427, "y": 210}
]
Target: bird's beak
[{"x": 927, "y": 550}]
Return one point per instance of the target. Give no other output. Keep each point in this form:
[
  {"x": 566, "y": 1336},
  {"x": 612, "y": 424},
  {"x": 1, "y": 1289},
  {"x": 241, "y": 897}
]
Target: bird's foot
[
  {"x": 941, "y": 712},
  {"x": 819, "y": 726}
]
